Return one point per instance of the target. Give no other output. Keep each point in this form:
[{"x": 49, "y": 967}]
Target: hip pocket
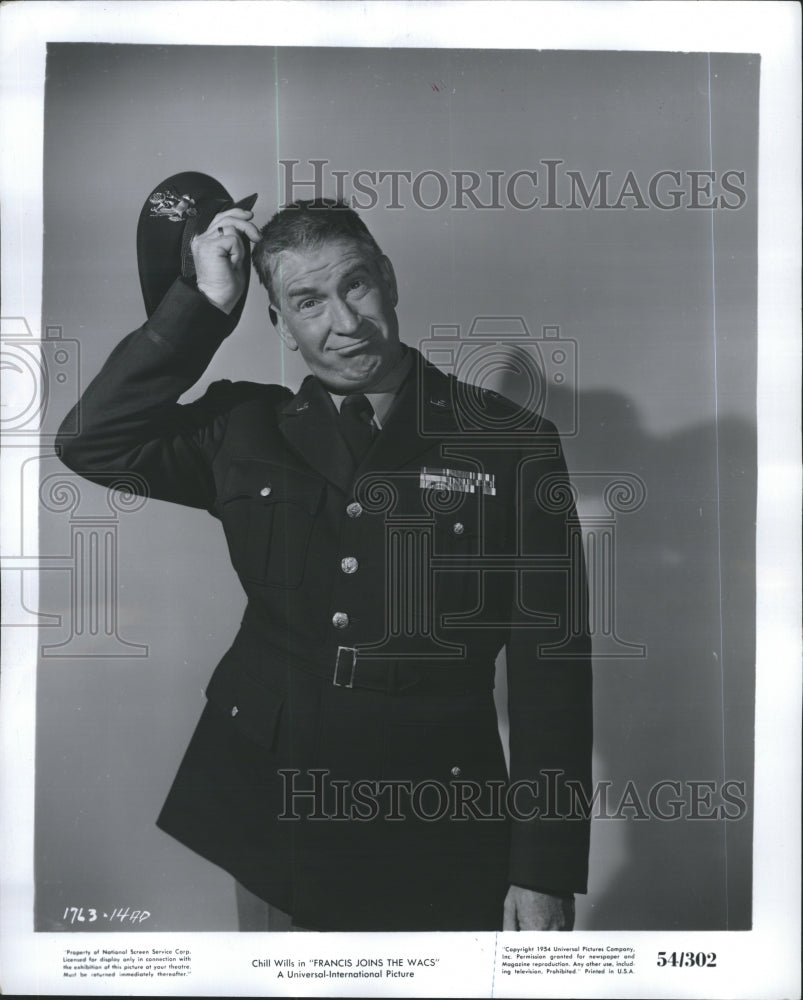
[{"x": 253, "y": 708}]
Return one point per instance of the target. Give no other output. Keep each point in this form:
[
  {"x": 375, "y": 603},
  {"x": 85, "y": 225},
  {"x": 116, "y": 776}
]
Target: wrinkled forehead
[{"x": 317, "y": 264}]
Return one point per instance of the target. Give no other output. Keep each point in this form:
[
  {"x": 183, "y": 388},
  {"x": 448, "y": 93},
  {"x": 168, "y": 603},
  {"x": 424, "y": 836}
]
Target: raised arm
[{"x": 129, "y": 420}]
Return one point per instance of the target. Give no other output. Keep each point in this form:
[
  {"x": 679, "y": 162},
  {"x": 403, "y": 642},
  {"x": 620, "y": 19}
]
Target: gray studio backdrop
[{"x": 654, "y": 387}]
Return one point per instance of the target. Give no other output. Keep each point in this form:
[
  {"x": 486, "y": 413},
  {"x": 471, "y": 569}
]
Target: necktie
[{"x": 356, "y": 415}]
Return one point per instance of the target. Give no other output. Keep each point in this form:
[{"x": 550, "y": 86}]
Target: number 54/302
[{"x": 688, "y": 959}]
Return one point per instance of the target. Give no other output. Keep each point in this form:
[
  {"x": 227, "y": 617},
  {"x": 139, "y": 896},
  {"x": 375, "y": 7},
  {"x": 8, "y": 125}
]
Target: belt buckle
[{"x": 335, "y": 679}]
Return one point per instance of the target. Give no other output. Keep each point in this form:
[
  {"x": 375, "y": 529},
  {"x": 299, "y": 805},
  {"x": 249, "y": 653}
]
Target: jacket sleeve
[
  {"x": 549, "y": 680},
  {"x": 129, "y": 421}
]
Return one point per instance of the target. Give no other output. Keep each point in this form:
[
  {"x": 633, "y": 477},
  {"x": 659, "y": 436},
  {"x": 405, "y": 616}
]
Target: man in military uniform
[{"x": 393, "y": 529}]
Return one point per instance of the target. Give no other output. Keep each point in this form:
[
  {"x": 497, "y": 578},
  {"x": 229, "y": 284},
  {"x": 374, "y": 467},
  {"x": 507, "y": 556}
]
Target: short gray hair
[{"x": 305, "y": 225}]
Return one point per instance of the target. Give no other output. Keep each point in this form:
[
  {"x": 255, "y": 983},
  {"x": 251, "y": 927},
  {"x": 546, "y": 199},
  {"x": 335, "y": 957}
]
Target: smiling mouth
[{"x": 354, "y": 348}]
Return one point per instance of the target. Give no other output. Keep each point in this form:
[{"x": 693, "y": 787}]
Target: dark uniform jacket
[{"x": 348, "y": 766}]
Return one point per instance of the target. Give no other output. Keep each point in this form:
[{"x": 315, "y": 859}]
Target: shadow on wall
[{"x": 683, "y": 588}]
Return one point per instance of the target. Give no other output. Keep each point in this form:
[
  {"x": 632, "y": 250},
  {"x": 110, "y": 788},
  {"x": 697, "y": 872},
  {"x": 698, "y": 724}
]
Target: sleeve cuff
[
  {"x": 553, "y": 860},
  {"x": 562, "y": 893},
  {"x": 186, "y": 318}
]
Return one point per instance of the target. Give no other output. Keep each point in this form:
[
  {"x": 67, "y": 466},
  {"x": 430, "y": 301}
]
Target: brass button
[
  {"x": 340, "y": 619},
  {"x": 458, "y": 528},
  {"x": 354, "y": 509},
  {"x": 349, "y": 564},
  {"x": 265, "y": 491},
  {"x": 456, "y": 771},
  {"x": 234, "y": 711}
]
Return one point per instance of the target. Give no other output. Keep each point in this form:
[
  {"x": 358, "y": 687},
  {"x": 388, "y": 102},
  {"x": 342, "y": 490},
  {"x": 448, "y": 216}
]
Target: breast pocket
[{"x": 268, "y": 513}]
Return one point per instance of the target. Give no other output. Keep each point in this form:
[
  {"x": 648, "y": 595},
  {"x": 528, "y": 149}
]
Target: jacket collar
[
  {"x": 422, "y": 414},
  {"x": 308, "y": 422}
]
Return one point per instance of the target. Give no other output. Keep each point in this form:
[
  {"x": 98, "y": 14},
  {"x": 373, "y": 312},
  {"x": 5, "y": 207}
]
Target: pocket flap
[
  {"x": 268, "y": 483},
  {"x": 253, "y": 708}
]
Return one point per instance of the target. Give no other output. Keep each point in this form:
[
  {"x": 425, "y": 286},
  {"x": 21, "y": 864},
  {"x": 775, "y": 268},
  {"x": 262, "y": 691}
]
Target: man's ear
[
  {"x": 288, "y": 339},
  {"x": 389, "y": 277}
]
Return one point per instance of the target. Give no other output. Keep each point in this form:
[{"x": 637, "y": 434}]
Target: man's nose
[{"x": 344, "y": 319}]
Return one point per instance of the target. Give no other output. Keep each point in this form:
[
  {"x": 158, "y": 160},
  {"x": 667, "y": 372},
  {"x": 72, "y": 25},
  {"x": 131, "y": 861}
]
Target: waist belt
[
  {"x": 348, "y": 667},
  {"x": 351, "y": 669}
]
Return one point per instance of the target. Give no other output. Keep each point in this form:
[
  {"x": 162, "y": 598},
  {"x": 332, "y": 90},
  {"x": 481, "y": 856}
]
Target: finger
[
  {"x": 231, "y": 246},
  {"x": 230, "y": 213},
  {"x": 219, "y": 243},
  {"x": 229, "y": 226}
]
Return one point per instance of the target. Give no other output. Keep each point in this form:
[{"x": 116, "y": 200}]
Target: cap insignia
[{"x": 174, "y": 207}]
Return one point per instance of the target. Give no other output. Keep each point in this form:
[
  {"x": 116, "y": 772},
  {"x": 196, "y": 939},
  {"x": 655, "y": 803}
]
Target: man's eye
[
  {"x": 356, "y": 284},
  {"x": 308, "y": 304}
]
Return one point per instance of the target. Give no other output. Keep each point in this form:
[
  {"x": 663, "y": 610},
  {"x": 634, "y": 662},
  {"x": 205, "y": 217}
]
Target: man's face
[{"x": 336, "y": 304}]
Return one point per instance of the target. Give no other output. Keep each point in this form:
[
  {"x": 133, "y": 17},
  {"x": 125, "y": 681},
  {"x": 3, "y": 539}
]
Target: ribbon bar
[{"x": 458, "y": 481}]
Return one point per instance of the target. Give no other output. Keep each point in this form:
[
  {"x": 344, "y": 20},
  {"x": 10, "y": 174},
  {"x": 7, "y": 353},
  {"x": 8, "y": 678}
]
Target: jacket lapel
[
  {"x": 308, "y": 423},
  {"x": 422, "y": 416}
]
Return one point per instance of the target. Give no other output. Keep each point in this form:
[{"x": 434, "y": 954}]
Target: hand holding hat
[{"x": 221, "y": 257}]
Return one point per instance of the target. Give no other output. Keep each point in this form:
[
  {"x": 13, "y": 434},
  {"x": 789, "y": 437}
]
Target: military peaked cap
[{"x": 177, "y": 209}]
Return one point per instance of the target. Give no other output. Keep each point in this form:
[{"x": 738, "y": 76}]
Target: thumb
[
  {"x": 509, "y": 921},
  {"x": 234, "y": 250}
]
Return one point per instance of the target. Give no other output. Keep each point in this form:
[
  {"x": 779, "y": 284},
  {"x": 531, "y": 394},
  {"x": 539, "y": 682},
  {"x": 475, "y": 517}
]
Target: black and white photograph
[{"x": 401, "y": 497}]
